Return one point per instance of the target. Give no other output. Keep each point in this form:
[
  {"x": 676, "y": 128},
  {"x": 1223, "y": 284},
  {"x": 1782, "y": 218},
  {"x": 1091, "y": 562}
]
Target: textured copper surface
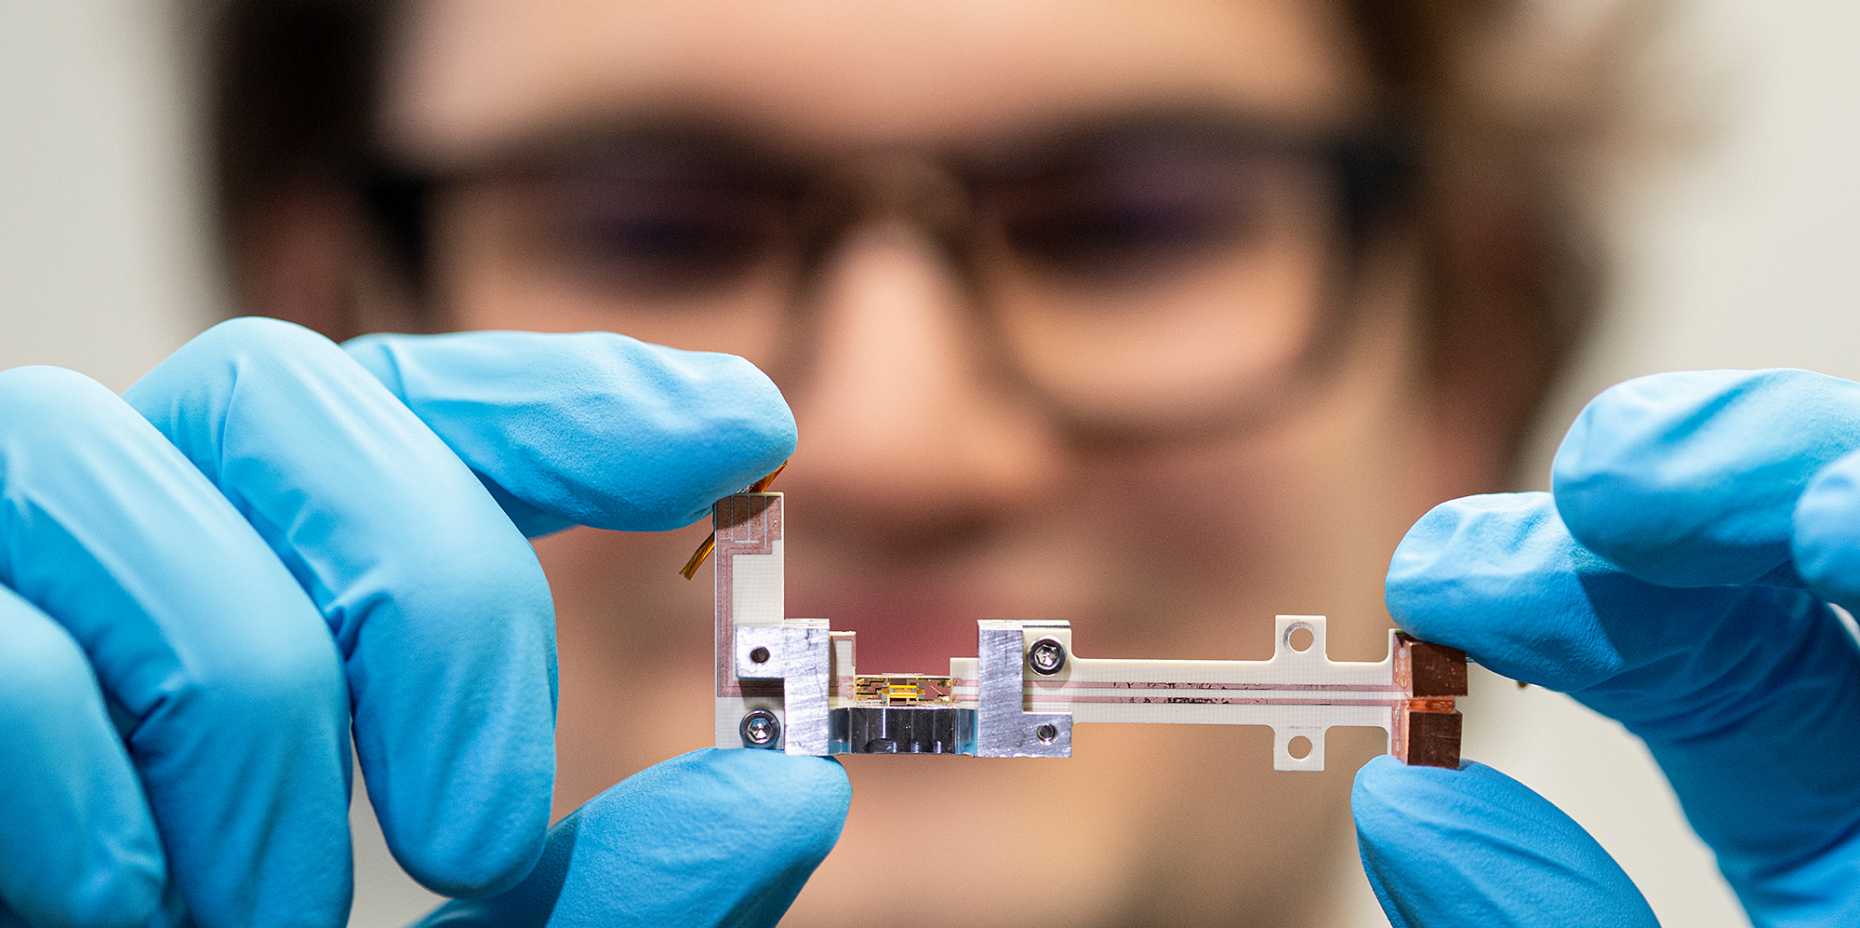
[
  {"x": 1427, "y": 728},
  {"x": 1426, "y": 669},
  {"x": 1427, "y": 737}
]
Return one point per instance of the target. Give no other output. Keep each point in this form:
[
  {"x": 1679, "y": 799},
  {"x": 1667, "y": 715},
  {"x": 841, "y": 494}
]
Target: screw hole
[
  {"x": 1300, "y": 638},
  {"x": 1046, "y": 733},
  {"x": 759, "y": 656},
  {"x": 1299, "y": 747}
]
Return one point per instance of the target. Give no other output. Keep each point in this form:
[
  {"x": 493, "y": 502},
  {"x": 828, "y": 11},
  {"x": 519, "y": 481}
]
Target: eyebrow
[
  {"x": 658, "y": 138},
  {"x": 691, "y": 135}
]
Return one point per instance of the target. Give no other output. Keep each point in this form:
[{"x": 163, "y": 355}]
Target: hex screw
[
  {"x": 1047, "y": 656},
  {"x": 760, "y": 728}
]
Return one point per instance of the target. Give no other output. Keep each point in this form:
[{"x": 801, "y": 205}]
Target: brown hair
[{"x": 1511, "y": 269}]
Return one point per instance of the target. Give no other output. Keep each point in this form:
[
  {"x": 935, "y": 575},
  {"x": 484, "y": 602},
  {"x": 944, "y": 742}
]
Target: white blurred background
[{"x": 1739, "y": 252}]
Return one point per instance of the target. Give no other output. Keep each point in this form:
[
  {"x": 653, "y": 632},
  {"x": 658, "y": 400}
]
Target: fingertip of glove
[
  {"x": 41, "y": 404},
  {"x": 1475, "y": 847},
  {"x": 594, "y": 428},
  {"x": 1371, "y": 797},
  {"x": 1604, "y": 476},
  {"x": 1387, "y": 794},
  {"x": 1415, "y": 808},
  {"x": 697, "y": 426},
  {"x": 748, "y": 429},
  {"x": 1639, "y": 477},
  {"x": 716, "y": 836},
  {"x": 756, "y": 407},
  {"x": 126, "y": 893},
  {"x": 1395, "y": 839},
  {"x": 472, "y": 835},
  {"x": 1459, "y": 557},
  {"x": 805, "y": 798},
  {"x": 1825, "y": 543},
  {"x": 482, "y": 869},
  {"x": 1414, "y": 578}
]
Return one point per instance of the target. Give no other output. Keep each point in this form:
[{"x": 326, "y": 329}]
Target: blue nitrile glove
[
  {"x": 1675, "y": 580},
  {"x": 271, "y": 544}
]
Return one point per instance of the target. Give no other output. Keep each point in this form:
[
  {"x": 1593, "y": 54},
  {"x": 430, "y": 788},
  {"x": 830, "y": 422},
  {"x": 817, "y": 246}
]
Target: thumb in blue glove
[
  {"x": 1475, "y": 847},
  {"x": 709, "y": 838}
]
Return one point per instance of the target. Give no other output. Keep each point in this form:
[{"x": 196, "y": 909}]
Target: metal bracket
[{"x": 1003, "y": 727}]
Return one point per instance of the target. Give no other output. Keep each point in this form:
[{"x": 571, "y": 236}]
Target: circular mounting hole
[
  {"x": 1299, "y": 747},
  {"x": 1046, "y": 734},
  {"x": 1300, "y": 638},
  {"x": 759, "y": 656}
]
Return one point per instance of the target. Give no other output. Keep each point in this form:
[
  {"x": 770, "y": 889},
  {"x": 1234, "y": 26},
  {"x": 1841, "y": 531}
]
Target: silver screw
[
  {"x": 1047, "y": 656},
  {"x": 760, "y": 728},
  {"x": 1046, "y": 734}
]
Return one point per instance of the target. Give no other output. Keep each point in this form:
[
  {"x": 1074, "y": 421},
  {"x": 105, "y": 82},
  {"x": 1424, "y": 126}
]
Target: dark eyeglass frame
[{"x": 1375, "y": 169}]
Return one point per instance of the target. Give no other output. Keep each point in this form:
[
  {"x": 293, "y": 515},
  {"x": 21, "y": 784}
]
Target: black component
[{"x": 900, "y": 730}]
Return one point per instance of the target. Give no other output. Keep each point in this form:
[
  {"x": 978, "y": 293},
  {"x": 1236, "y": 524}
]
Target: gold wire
[{"x": 703, "y": 551}]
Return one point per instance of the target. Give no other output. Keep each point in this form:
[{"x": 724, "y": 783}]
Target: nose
[{"x": 909, "y": 430}]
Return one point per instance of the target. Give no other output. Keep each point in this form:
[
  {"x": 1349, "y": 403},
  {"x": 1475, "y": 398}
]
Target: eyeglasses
[{"x": 1158, "y": 275}]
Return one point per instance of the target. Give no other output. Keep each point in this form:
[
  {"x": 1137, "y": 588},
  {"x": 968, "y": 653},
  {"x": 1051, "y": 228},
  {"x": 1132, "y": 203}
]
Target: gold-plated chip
[{"x": 901, "y": 689}]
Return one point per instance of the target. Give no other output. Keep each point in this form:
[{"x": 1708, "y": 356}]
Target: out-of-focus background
[{"x": 1737, "y": 251}]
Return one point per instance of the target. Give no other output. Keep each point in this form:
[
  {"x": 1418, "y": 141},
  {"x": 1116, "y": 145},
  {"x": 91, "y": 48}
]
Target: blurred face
[{"x": 1061, "y": 296}]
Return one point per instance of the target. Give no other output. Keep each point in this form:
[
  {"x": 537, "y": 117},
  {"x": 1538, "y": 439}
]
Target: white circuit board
[{"x": 793, "y": 684}]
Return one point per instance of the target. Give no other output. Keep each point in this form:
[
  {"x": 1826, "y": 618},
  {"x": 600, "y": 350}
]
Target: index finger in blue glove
[
  {"x": 1826, "y": 543},
  {"x": 1692, "y": 479},
  {"x": 589, "y": 429},
  {"x": 439, "y": 607},
  {"x": 710, "y": 838},
  {"x": 1736, "y": 690},
  {"x": 437, "y": 604},
  {"x": 1473, "y": 847}
]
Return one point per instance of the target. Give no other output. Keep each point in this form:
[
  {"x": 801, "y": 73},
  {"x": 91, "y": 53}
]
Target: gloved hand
[
  {"x": 269, "y": 543},
  {"x": 1674, "y": 579}
]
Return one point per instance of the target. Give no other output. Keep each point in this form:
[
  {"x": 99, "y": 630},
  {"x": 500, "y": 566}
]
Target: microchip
[{"x": 901, "y": 689}]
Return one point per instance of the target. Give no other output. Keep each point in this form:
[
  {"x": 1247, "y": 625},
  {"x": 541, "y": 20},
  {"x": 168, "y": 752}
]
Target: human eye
[
  {"x": 1133, "y": 218},
  {"x": 1127, "y": 231},
  {"x": 654, "y": 237}
]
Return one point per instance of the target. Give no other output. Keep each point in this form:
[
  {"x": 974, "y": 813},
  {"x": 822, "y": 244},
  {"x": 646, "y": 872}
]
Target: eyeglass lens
[{"x": 1138, "y": 277}]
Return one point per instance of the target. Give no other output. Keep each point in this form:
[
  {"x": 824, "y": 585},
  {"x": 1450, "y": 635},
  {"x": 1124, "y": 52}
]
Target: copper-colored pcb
[{"x": 710, "y": 541}]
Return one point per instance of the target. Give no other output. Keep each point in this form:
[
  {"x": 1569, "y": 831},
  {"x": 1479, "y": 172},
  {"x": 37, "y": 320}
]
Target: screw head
[
  {"x": 1047, "y": 656},
  {"x": 1046, "y": 733},
  {"x": 759, "y": 728}
]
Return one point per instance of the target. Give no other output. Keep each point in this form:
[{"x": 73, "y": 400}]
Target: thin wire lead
[{"x": 703, "y": 551}]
